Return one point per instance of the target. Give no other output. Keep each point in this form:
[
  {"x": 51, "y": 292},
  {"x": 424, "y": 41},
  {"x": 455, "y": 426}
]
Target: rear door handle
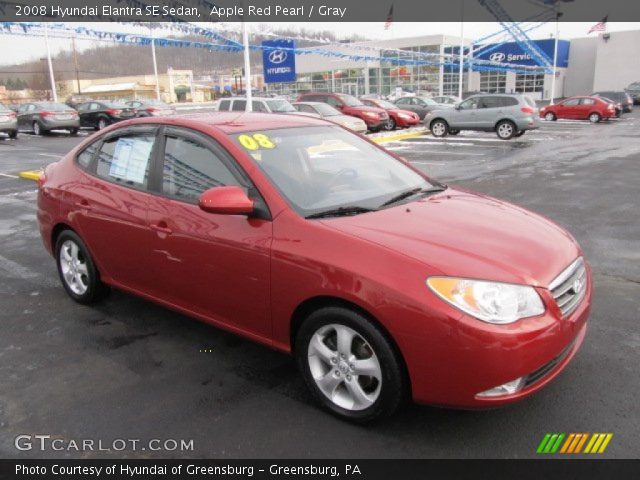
[{"x": 162, "y": 228}]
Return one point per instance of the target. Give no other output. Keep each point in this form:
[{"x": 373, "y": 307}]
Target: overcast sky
[{"x": 18, "y": 48}]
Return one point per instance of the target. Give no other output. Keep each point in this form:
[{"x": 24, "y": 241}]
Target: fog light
[{"x": 508, "y": 388}]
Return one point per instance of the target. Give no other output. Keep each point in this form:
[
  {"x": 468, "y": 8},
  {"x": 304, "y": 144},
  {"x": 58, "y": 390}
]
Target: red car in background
[
  {"x": 593, "y": 109},
  {"x": 397, "y": 117},
  {"x": 375, "y": 118},
  {"x": 296, "y": 233}
]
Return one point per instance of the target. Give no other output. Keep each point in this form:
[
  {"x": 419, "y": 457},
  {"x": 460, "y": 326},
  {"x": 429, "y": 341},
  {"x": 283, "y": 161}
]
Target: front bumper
[
  {"x": 465, "y": 357},
  {"x": 404, "y": 122}
]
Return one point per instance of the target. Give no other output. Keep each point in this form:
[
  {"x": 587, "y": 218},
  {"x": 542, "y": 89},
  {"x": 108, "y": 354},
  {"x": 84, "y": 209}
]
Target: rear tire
[
  {"x": 37, "y": 129},
  {"x": 102, "y": 123},
  {"x": 505, "y": 130},
  {"x": 349, "y": 365},
  {"x": 78, "y": 273},
  {"x": 594, "y": 117},
  {"x": 13, "y": 134},
  {"x": 439, "y": 128},
  {"x": 73, "y": 131}
]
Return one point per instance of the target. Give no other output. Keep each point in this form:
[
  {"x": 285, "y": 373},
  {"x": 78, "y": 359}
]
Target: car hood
[
  {"x": 469, "y": 235},
  {"x": 365, "y": 108}
]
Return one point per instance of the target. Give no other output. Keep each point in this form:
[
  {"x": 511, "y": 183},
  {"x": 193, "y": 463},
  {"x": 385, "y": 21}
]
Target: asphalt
[{"x": 130, "y": 369}]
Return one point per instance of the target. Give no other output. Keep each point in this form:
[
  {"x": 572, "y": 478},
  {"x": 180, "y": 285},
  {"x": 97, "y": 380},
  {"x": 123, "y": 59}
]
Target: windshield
[
  {"x": 326, "y": 110},
  {"x": 324, "y": 168},
  {"x": 3, "y": 108},
  {"x": 428, "y": 101},
  {"x": 280, "y": 106},
  {"x": 351, "y": 101}
]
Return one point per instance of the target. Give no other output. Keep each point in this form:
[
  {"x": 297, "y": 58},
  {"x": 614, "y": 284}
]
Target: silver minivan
[
  {"x": 509, "y": 115},
  {"x": 258, "y": 104}
]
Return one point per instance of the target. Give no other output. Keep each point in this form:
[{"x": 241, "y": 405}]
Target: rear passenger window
[
  {"x": 191, "y": 168},
  {"x": 490, "y": 102},
  {"x": 85, "y": 157},
  {"x": 239, "y": 105},
  {"x": 508, "y": 101},
  {"x": 224, "y": 105},
  {"x": 126, "y": 160},
  {"x": 587, "y": 101},
  {"x": 259, "y": 106}
]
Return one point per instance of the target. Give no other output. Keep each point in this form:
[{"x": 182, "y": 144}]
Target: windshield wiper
[
  {"x": 341, "y": 212},
  {"x": 412, "y": 192}
]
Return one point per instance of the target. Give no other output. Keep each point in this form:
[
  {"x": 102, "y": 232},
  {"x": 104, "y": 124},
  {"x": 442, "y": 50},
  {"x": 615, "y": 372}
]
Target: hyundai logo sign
[
  {"x": 279, "y": 61},
  {"x": 277, "y": 56},
  {"x": 497, "y": 57}
]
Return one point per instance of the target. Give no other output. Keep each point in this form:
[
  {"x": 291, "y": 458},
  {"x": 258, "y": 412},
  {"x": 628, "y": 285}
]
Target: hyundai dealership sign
[
  {"x": 513, "y": 53},
  {"x": 279, "y": 61}
]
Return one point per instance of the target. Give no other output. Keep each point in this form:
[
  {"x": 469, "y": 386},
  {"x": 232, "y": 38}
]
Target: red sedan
[
  {"x": 593, "y": 109},
  {"x": 397, "y": 117},
  {"x": 295, "y": 233}
]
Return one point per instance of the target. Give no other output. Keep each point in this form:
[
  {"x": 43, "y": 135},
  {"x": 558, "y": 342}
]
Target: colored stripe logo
[{"x": 574, "y": 443}]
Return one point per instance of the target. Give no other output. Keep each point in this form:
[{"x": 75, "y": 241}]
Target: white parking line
[
  {"x": 50, "y": 155},
  {"x": 451, "y": 153},
  {"x": 8, "y": 175}
]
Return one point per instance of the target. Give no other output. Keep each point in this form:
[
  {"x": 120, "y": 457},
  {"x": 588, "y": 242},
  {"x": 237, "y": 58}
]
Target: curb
[
  {"x": 397, "y": 137},
  {"x": 30, "y": 175}
]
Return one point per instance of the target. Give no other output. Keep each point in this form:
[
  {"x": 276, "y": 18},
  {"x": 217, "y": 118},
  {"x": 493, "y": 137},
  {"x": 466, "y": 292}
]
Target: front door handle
[{"x": 161, "y": 227}]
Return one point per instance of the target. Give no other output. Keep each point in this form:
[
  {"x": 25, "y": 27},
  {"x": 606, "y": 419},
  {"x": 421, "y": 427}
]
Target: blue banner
[
  {"x": 513, "y": 53},
  {"x": 279, "y": 61}
]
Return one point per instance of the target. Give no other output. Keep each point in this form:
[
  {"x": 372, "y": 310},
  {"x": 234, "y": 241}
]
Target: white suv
[{"x": 263, "y": 105}]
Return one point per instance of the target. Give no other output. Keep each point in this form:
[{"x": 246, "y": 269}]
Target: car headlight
[
  {"x": 491, "y": 302},
  {"x": 406, "y": 116}
]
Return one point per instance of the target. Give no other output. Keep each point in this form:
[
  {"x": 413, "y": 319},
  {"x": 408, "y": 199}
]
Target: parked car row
[{"x": 40, "y": 118}]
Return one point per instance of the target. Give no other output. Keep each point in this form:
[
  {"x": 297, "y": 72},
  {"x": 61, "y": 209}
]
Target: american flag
[
  {"x": 389, "y": 21},
  {"x": 600, "y": 26}
]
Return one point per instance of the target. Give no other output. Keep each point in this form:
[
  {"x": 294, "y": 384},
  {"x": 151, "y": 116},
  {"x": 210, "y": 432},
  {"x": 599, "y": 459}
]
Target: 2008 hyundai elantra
[{"x": 295, "y": 233}]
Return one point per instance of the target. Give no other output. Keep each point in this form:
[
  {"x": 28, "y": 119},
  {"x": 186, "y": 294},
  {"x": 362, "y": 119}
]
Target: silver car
[
  {"x": 8, "y": 122},
  {"x": 42, "y": 117},
  {"x": 326, "y": 111},
  {"x": 507, "y": 115},
  {"x": 258, "y": 104}
]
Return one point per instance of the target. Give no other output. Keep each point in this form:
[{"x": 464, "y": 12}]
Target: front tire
[
  {"x": 102, "y": 123},
  {"x": 550, "y": 117},
  {"x": 390, "y": 125},
  {"x": 439, "y": 128},
  {"x": 78, "y": 273},
  {"x": 594, "y": 117},
  {"x": 505, "y": 130},
  {"x": 349, "y": 365},
  {"x": 73, "y": 131}
]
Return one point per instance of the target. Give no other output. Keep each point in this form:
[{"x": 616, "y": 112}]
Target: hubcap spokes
[
  {"x": 505, "y": 130},
  {"x": 74, "y": 267},
  {"x": 345, "y": 367}
]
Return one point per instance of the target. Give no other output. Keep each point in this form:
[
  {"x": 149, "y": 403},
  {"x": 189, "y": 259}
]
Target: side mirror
[
  {"x": 457, "y": 106},
  {"x": 229, "y": 200}
]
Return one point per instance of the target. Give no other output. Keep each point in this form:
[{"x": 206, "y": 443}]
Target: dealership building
[{"x": 606, "y": 61}]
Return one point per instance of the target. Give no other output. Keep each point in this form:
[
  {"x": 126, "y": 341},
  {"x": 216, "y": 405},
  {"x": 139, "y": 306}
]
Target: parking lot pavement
[{"x": 130, "y": 369}]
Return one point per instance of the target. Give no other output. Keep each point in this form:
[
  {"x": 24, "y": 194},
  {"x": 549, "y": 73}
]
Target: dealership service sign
[
  {"x": 513, "y": 53},
  {"x": 279, "y": 61}
]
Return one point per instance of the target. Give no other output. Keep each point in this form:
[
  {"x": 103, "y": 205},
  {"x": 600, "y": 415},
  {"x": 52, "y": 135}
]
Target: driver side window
[{"x": 470, "y": 104}]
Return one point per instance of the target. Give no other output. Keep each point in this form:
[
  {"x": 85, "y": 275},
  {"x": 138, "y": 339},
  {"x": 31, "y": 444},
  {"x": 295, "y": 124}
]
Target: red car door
[
  {"x": 569, "y": 109},
  {"x": 108, "y": 204},
  {"x": 216, "y": 266}
]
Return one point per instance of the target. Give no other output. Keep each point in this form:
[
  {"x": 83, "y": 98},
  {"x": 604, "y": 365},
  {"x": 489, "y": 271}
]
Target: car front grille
[
  {"x": 569, "y": 288},
  {"x": 544, "y": 370}
]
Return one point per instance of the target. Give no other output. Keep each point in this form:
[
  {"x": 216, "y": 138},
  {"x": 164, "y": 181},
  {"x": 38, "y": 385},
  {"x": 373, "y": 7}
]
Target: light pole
[
  {"x": 155, "y": 63},
  {"x": 52, "y": 80},
  {"x": 247, "y": 67},
  {"x": 555, "y": 58},
  {"x": 461, "y": 72}
]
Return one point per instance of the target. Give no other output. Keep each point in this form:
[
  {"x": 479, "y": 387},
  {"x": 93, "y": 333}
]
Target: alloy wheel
[
  {"x": 74, "y": 267},
  {"x": 37, "y": 130},
  {"x": 594, "y": 118},
  {"x": 344, "y": 367},
  {"x": 102, "y": 124},
  {"x": 438, "y": 129},
  {"x": 550, "y": 117},
  {"x": 505, "y": 130}
]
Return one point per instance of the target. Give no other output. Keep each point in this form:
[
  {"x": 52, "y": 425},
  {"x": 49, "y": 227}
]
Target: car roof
[
  {"x": 236, "y": 122},
  {"x": 308, "y": 103}
]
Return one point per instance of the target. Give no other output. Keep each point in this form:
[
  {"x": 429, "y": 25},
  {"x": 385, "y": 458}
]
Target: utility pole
[
  {"x": 75, "y": 62},
  {"x": 247, "y": 67},
  {"x": 52, "y": 80},
  {"x": 155, "y": 63},
  {"x": 555, "y": 57},
  {"x": 461, "y": 72}
]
